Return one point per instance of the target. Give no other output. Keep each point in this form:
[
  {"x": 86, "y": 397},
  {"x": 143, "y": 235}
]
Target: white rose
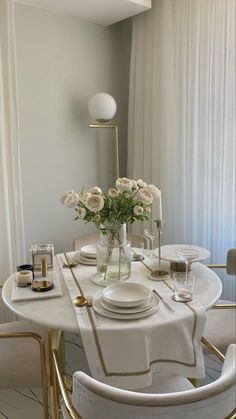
[
  {"x": 145, "y": 196},
  {"x": 81, "y": 213},
  {"x": 85, "y": 197},
  {"x": 141, "y": 183},
  {"x": 70, "y": 199},
  {"x": 113, "y": 192},
  {"x": 95, "y": 190},
  {"x": 124, "y": 184},
  {"x": 134, "y": 183},
  {"x": 95, "y": 203},
  {"x": 154, "y": 191},
  {"x": 138, "y": 210}
]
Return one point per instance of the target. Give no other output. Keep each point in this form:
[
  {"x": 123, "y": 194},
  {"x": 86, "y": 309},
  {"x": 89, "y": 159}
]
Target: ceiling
[{"x": 104, "y": 12}]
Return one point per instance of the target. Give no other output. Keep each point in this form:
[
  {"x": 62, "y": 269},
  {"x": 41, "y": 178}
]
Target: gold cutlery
[
  {"x": 80, "y": 301},
  {"x": 163, "y": 301},
  {"x": 71, "y": 264}
]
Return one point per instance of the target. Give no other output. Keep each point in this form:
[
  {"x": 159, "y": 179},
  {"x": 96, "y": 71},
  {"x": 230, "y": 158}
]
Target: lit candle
[{"x": 159, "y": 209}]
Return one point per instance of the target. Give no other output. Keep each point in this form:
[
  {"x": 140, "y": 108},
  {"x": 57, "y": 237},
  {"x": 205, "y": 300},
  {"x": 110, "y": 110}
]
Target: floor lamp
[{"x": 102, "y": 107}]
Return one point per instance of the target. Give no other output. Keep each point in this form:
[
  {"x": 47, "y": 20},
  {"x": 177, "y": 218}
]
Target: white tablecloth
[{"x": 125, "y": 353}]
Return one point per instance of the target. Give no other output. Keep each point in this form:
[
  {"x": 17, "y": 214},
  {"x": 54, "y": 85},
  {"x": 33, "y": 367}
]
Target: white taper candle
[{"x": 159, "y": 207}]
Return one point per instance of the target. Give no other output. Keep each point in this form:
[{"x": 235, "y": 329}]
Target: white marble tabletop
[{"x": 58, "y": 313}]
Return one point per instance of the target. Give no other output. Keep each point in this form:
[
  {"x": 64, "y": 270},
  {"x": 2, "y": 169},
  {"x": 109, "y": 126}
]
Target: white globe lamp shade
[{"x": 102, "y": 107}]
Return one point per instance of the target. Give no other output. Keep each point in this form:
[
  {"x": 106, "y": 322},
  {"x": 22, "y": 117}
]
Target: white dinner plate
[
  {"x": 89, "y": 251},
  {"x": 100, "y": 310},
  {"x": 168, "y": 252},
  {"x": 77, "y": 257},
  {"x": 128, "y": 310},
  {"x": 127, "y": 294}
]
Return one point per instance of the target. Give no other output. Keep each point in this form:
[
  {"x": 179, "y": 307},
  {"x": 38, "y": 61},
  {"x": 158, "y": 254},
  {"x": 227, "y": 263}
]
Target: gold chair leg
[{"x": 52, "y": 344}]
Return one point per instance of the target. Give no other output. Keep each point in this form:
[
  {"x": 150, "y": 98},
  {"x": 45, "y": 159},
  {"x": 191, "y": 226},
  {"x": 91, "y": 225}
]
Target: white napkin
[
  {"x": 125, "y": 353},
  {"x": 26, "y": 293}
]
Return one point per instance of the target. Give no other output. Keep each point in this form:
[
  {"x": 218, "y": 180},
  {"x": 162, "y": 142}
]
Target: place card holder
[{"x": 40, "y": 252}]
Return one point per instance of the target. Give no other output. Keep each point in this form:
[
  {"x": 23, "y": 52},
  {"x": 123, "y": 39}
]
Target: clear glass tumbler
[{"x": 183, "y": 286}]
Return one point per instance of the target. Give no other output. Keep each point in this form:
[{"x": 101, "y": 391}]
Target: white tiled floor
[{"x": 21, "y": 404}]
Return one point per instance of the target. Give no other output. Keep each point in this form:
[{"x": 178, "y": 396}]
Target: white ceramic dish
[
  {"x": 83, "y": 260},
  {"x": 89, "y": 251},
  {"x": 100, "y": 310},
  {"x": 127, "y": 310},
  {"x": 169, "y": 252},
  {"x": 127, "y": 294}
]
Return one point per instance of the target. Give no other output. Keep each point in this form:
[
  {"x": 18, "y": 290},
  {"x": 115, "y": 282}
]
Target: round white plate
[
  {"x": 127, "y": 294},
  {"x": 100, "y": 310},
  {"x": 128, "y": 310},
  {"x": 169, "y": 252},
  {"x": 83, "y": 260},
  {"x": 89, "y": 251}
]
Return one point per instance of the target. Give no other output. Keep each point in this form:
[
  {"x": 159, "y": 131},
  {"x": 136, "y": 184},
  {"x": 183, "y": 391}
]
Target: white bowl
[
  {"x": 89, "y": 251},
  {"x": 127, "y": 294}
]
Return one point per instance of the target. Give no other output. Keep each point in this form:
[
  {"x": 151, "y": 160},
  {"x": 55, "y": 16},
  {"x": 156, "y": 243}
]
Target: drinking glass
[
  {"x": 151, "y": 233},
  {"x": 187, "y": 254},
  {"x": 183, "y": 286},
  {"x": 137, "y": 248}
]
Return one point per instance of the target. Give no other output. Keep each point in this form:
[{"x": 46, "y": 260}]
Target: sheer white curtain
[
  {"x": 182, "y": 117},
  {"x": 11, "y": 218}
]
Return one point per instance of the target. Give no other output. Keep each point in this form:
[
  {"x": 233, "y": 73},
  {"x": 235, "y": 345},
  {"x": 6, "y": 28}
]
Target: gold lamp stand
[{"x": 103, "y": 124}]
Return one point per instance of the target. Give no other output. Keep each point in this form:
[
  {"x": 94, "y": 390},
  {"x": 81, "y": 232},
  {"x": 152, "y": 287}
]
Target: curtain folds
[
  {"x": 12, "y": 247},
  {"x": 182, "y": 118}
]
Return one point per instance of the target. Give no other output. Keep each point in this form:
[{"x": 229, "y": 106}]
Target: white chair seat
[
  {"x": 221, "y": 326},
  {"x": 215, "y": 400},
  {"x": 162, "y": 383},
  {"x": 20, "y": 357},
  {"x": 92, "y": 398}
]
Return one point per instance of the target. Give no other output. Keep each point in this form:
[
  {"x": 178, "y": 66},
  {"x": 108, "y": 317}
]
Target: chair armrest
[
  {"x": 43, "y": 364},
  {"x": 216, "y": 266},
  {"x": 224, "y": 306},
  {"x": 64, "y": 392}
]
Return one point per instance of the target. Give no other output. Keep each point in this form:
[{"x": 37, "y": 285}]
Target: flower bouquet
[{"x": 129, "y": 201}]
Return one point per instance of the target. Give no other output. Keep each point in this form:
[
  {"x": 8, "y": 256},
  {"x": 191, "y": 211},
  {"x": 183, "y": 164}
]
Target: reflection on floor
[{"x": 27, "y": 403}]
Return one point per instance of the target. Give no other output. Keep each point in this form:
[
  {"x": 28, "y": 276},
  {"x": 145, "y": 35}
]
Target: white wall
[{"x": 62, "y": 62}]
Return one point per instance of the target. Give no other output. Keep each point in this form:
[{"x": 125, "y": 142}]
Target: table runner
[{"x": 125, "y": 353}]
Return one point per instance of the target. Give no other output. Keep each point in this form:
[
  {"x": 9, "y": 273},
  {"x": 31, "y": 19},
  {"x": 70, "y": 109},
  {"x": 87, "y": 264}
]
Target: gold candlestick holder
[{"x": 159, "y": 274}]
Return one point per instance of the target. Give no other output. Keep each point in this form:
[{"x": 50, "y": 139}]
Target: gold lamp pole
[{"x": 103, "y": 108}]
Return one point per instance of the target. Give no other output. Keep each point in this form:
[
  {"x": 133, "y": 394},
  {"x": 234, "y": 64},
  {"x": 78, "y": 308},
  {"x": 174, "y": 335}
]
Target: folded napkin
[
  {"x": 126, "y": 353},
  {"x": 26, "y": 293}
]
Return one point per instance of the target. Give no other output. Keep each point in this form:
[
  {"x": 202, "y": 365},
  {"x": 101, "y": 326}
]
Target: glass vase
[{"x": 113, "y": 255}]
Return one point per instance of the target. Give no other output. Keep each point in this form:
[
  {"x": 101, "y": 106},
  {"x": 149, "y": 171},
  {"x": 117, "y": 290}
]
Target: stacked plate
[
  {"x": 126, "y": 301},
  {"x": 87, "y": 255}
]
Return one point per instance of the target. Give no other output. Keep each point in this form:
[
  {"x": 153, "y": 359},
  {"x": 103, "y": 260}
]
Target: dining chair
[
  {"x": 23, "y": 357},
  {"x": 93, "y": 399},
  {"x": 221, "y": 319},
  {"x": 94, "y": 239}
]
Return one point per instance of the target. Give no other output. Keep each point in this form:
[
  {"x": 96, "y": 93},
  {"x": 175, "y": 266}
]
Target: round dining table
[
  {"x": 59, "y": 314},
  {"x": 104, "y": 339}
]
